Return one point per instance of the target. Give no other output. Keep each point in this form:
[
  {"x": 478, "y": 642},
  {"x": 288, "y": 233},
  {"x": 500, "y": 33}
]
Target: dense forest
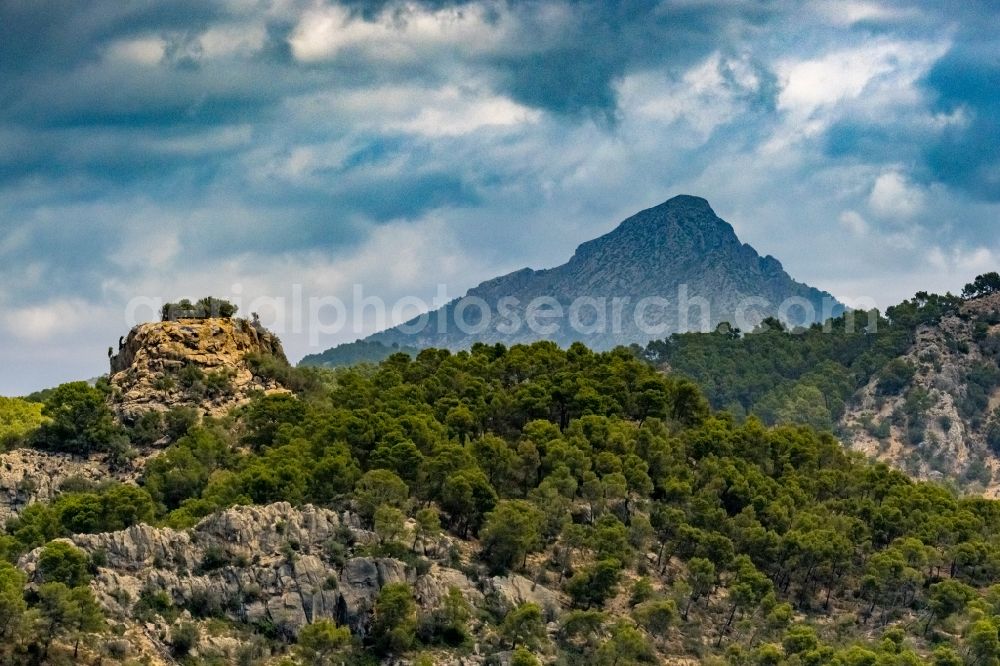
[{"x": 670, "y": 529}]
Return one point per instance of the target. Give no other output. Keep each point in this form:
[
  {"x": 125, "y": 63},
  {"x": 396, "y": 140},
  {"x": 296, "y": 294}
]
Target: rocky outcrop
[
  {"x": 515, "y": 590},
  {"x": 276, "y": 566},
  {"x": 922, "y": 428},
  {"x": 255, "y": 564},
  {"x": 27, "y": 476},
  {"x": 199, "y": 363}
]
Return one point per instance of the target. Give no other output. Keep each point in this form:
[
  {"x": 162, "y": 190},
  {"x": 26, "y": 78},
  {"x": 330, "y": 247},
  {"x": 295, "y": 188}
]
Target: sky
[{"x": 285, "y": 153}]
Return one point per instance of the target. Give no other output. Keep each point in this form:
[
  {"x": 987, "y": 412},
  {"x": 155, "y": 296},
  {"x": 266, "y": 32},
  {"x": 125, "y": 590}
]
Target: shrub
[
  {"x": 656, "y": 616},
  {"x": 448, "y": 622},
  {"x": 205, "y": 603},
  {"x": 152, "y": 603},
  {"x": 18, "y": 419},
  {"x": 895, "y": 376},
  {"x": 183, "y": 638},
  {"x": 215, "y": 558},
  {"x": 594, "y": 585}
]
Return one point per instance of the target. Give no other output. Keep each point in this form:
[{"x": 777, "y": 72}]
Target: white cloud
[
  {"x": 962, "y": 262},
  {"x": 41, "y": 322},
  {"x": 854, "y": 223},
  {"x": 397, "y": 33},
  {"x": 450, "y": 111},
  {"x": 398, "y": 259},
  {"x": 234, "y": 39},
  {"x": 702, "y": 99},
  {"x": 15, "y": 239},
  {"x": 864, "y": 81},
  {"x": 850, "y": 12},
  {"x": 893, "y": 196},
  {"x": 142, "y": 248},
  {"x": 146, "y": 51}
]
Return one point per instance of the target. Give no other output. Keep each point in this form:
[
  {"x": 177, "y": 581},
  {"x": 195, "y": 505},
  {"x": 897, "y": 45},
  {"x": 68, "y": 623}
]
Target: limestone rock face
[
  {"x": 261, "y": 563},
  {"x": 199, "y": 363},
  {"x": 27, "y": 476},
  {"x": 515, "y": 590}
]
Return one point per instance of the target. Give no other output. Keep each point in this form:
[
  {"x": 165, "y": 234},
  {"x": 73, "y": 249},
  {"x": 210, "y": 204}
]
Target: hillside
[
  {"x": 353, "y": 353},
  {"x": 660, "y": 271},
  {"x": 933, "y": 410},
  {"x": 917, "y": 387},
  {"x": 520, "y": 505}
]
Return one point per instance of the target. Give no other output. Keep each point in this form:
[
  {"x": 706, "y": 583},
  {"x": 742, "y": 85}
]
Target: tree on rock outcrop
[
  {"x": 204, "y": 308},
  {"x": 523, "y": 627},
  {"x": 323, "y": 643},
  {"x": 983, "y": 285},
  {"x": 59, "y": 562}
]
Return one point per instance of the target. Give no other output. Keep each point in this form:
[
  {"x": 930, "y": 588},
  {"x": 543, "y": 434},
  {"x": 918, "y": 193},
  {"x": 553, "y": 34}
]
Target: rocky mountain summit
[
  {"x": 200, "y": 363},
  {"x": 674, "y": 267}
]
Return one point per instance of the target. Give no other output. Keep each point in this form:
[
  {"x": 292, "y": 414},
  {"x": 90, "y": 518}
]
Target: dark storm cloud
[
  {"x": 967, "y": 81},
  {"x": 963, "y": 84},
  {"x": 39, "y": 35},
  {"x": 577, "y": 74}
]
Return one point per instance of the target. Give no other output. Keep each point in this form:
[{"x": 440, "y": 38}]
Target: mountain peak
[
  {"x": 687, "y": 202},
  {"x": 652, "y": 264},
  {"x": 684, "y": 211}
]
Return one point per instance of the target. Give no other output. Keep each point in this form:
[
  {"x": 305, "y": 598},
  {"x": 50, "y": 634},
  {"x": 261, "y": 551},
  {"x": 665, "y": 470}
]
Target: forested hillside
[
  {"x": 519, "y": 506},
  {"x": 353, "y": 353},
  {"x": 916, "y": 386}
]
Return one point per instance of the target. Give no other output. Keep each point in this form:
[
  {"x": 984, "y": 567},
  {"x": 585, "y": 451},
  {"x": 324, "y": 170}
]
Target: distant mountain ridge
[{"x": 674, "y": 267}]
